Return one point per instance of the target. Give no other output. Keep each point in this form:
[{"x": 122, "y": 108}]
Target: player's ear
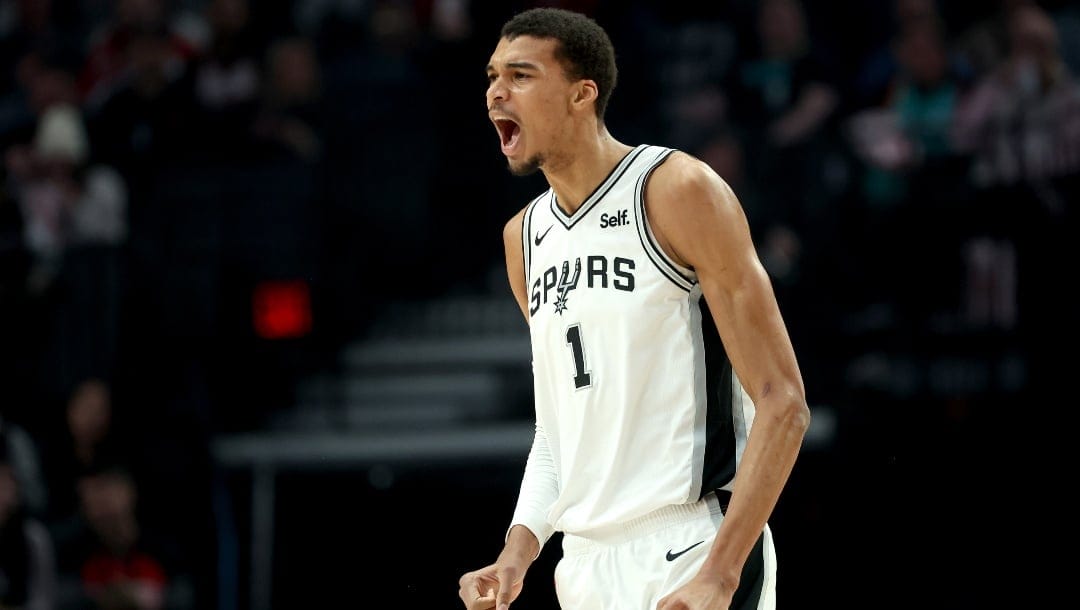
[{"x": 585, "y": 92}]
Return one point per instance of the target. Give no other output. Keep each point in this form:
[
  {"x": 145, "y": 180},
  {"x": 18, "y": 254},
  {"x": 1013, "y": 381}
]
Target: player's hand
[
  {"x": 697, "y": 594},
  {"x": 495, "y": 586}
]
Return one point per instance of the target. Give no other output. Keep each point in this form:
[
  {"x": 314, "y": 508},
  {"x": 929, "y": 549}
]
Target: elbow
[
  {"x": 799, "y": 416},
  {"x": 794, "y": 413},
  {"x": 785, "y": 408}
]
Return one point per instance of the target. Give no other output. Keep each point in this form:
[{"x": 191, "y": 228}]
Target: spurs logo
[
  {"x": 567, "y": 283},
  {"x": 594, "y": 271}
]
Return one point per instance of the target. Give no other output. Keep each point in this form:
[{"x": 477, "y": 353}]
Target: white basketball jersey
[{"x": 633, "y": 388}]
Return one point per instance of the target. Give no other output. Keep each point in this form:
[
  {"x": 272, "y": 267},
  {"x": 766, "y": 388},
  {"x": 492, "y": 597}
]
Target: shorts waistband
[{"x": 713, "y": 503}]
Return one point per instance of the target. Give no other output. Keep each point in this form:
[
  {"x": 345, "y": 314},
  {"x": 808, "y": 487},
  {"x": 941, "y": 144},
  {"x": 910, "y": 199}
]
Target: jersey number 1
[{"x": 582, "y": 378}]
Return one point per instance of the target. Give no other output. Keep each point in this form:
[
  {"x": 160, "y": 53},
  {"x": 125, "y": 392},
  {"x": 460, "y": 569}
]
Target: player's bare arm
[
  {"x": 515, "y": 261},
  {"x": 700, "y": 223}
]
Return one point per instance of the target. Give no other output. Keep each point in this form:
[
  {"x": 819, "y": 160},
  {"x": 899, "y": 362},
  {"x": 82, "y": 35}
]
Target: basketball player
[{"x": 669, "y": 404}]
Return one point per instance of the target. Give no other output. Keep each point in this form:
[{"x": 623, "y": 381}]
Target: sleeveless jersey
[{"x": 634, "y": 391}]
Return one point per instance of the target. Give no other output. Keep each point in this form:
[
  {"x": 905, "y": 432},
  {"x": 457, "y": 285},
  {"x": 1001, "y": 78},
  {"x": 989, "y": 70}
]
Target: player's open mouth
[{"x": 509, "y": 134}]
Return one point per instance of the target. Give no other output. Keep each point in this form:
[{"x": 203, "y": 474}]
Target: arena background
[{"x": 266, "y": 238}]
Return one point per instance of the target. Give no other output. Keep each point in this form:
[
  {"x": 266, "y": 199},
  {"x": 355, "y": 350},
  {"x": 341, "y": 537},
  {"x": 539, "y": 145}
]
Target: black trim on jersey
[
  {"x": 606, "y": 185},
  {"x": 526, "y": 241},
  {"x": 651, "y": 248},
  {"x": 719, "y": 467}
]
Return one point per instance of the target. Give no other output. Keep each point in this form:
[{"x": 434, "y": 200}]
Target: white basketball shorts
[{"x": 633, "y": 565}]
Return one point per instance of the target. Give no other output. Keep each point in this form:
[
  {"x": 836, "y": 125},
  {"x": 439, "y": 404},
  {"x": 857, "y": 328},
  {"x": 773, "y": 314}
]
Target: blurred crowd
[{"x": 910, "y": 173}]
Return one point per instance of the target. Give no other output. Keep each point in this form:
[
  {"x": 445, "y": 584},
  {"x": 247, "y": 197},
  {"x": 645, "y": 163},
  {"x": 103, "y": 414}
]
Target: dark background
[{"x": 927, "y": 300}]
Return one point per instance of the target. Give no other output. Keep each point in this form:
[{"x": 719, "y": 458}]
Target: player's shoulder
[
  {"x": 512, "y": 228},
  {"x": 682, "y": 169},
  {"x": 682, "y": 177}
]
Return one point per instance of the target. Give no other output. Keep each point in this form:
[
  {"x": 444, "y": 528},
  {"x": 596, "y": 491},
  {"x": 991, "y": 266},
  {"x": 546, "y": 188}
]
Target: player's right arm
[
  {"x": 529, "y": 528},
  {"x": 499, "y": 584}
]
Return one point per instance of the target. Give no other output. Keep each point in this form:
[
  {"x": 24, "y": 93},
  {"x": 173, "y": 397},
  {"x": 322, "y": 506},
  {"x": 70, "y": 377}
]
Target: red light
[{"x": 281, "y": 309}]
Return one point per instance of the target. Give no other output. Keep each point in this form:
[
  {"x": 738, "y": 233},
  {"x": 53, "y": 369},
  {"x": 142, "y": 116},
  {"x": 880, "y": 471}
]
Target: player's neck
[{"x": 588, "y": 162}]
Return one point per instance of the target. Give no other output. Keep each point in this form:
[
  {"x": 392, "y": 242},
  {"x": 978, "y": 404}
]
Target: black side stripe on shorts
[{"x": 748, "y": 595}]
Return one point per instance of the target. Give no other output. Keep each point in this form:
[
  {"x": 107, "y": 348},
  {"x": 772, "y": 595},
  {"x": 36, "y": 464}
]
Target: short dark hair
[{"x": 583, "y": 48}]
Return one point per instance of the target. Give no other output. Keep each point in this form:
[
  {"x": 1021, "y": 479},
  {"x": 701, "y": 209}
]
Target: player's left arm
[{"x": 700, "y": 222}]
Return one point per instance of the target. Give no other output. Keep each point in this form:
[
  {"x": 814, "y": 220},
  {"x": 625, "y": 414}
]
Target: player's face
[{"x": 527, "y": 99}]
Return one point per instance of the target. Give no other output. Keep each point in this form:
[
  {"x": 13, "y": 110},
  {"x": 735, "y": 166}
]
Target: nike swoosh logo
[
  {"x": 673, "y": 556},
  {"x": 540, "y": 236}
]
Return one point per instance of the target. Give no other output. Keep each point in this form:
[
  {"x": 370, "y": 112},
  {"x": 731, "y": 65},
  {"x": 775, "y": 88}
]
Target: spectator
[
  {"x": 108, "y": 59},
  {"x": 1022, "y": 121},
  {"x": 43, "y": 83},
  {"x": 782, "y": 87},
  {"x": 882, "y": 67},
  {"x": 27, "y": 563},
  {"x": 781, "y": 96},
  {"x": 289, "y": 119},
  {"x": 32, "y": 30},
  {"x": 74, "y": 220},
  {"x": 121, "y": 570},
  {"x": 1021, "y": 124},
  {"x": 912, "y": 169},
  {"x": 63, "y": 197},
  {"x": 984, "y": 43},
  {"x": 224, "y": 82},
  {"x": 912, "y": 126},
  {"x": 41, "y": 80},
  {"x": 89, "y": 438}
]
